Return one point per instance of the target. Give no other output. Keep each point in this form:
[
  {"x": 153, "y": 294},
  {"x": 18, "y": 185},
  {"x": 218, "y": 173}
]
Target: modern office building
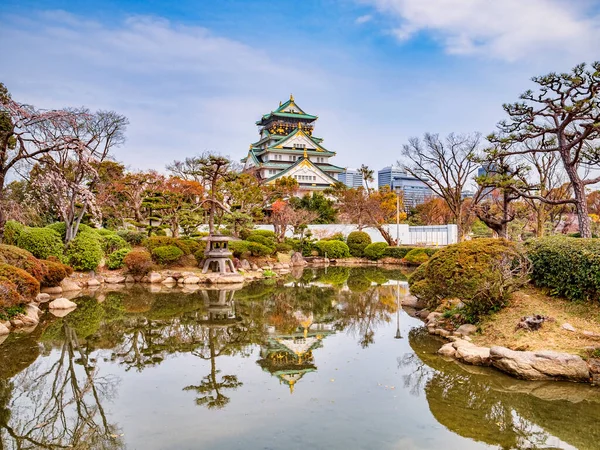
[
  {"x": 351, "y": 178},
  {"x": 414, "y": 191}
]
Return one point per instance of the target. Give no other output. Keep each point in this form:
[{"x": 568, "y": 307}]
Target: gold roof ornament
[
  {"x": 299, "y": 125},
  {"x": 291, "y": 97},
  {"x": 305, "y": 154}
]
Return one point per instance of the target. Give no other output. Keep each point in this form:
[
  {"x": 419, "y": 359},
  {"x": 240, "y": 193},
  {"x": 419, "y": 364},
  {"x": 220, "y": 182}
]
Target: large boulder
[
  {"x": 413, "y": 302},
  {"x": 93, "y": 282},
  {"x": 466, "y": 352},
  {"x": 3, "y": 330},
  {"x": 69, "y": 285},
  {"x": 42, "y": 297},
  {"x": 466, "y": 330},
  {"x": 155, "y": 277},
  {"x": 245, "y": 265},
  {"x": 191, "y": 280},
  {"x": 61, "y": 303},
  {"x": 117, "y": 279},
  {"x": 297, "y": 260},
  {"x": 540, "y": 365}
]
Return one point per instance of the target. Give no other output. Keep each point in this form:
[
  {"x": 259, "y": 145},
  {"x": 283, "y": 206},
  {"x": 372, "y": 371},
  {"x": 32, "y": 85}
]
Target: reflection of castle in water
[{"x": 289, "y": 356}]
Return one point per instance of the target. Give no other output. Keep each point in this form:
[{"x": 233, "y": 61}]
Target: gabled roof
[
  {"x": 297, "y": 131},
  {"x": 287, "y": 110},
  {"x": 298, "y": 163}
]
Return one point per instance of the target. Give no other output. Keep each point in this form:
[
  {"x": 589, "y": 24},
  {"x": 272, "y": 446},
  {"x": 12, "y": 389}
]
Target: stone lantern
[{"x": 218, "y": 255}]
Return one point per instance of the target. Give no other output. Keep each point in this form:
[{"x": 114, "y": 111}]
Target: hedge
[
  {"x": 41, "y": 242},
  {"x": 166, "y": 254},
  {"x": 84, "y": 252},
  {"x": 332, "y": 249},
  {"x": 375, "y": 250},
  {"x": 238, "y": 248},
  {"x": 12, "y": 230},
  {"x": 570, "y": 267},
  {"x": 18, "y": 257},
  {"x": 27, "y": 285},
  {"x": 482, "y": 273},
  {"x": 397, "y": 252},
  {"x": 257, "y": 249},
  {"x": 161, "y": 241},
  {"x": 263, "y": 240},
  {"x": 357, "y": 241},
  {"x": 115, "y": 259}
]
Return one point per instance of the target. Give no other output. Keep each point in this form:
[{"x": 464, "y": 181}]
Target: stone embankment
[{"x": 542, "y": 365}]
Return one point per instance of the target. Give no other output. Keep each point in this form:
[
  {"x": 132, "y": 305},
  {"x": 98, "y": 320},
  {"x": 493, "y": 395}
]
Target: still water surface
[{"x": 321, "y": 360}]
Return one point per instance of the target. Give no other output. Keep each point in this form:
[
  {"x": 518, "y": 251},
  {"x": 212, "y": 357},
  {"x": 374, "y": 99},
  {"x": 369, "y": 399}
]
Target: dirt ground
[{"x": 500, "y": 329}]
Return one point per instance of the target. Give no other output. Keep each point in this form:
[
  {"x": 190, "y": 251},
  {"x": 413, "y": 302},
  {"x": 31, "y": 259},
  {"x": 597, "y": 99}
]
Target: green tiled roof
[{"x": 298, "y": 161}]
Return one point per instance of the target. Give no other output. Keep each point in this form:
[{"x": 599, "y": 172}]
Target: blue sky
[{"x": 194, "y": 76}]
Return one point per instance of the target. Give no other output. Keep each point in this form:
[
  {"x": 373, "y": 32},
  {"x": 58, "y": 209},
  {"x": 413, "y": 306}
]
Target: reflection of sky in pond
[{"x": 293, "y": 367}]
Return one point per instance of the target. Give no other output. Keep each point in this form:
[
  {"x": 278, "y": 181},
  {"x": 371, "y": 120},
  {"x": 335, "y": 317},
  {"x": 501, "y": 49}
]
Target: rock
[
  {"x": 540, "y": 365},
  {"x": 297, "y": 260},
  {"x": 69, "y": 285},
  {"x": 466, "y": 329},
  {"x": 129, "y": 279},
  {"x": 413, "y": 302},
  {"x": 93, "y": 282},
  {"x": 52, "y": 290},
  {"x": 531, "y": 323},
  {"x": 590, "y": 333},
  {"x": 42, "y": 298},
  {"x": 472, "y": 354},
  {"x": 244, "y": 264},
  {"x": 229, "y": 279},
  {"x": 169, "y": 280},
  {"x": 285, "y": 266},
  {"x": 568, "y": 327},
  {"x": 254, "y": 266},
  {"x": 191, "y": 280},
  {"x": 61, "y": 312},
  {"x": 16, "y": 323},
  {"x": 61, "y": 303},
  {"x": 433, "y": 317},
  {"x": 447, "y": 350},
  {"x": 176, "y": 275},
  {"x": 31, "y": 310},
  {"x": 277, "y": 266},
  {"x": 3, "y": 330},
  {"x": 154, "y": 277},
  {"x": 423, "y": 314},
  {"x": 115, "y": 280},
  {"x": 29, "y": 321}
]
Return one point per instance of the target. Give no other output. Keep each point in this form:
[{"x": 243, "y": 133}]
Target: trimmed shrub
[
  {"x": 263, "y": 240},
  {"x": 257, "y": 249},
  {"x": 26, "y": 284},
  {"x": 375, "y": 251},
  {"x": 397, "y": 252},
  {"x": 9, "y": 294},
  {"x": 166, "y": 254},
  {"x": 357, "y": 241},
  {"x": 12, "y": 229},
  {"x": 104, "y": 232},
  {"x": 112, "y": 242},
  {"x": 138, "y": 262},
  {"x": 265, "y": 233},
  {"x": 163, "y": 241},
  {"x": 193, "y": 245},
  {"x": 41, "y": 242},
  {"x": 335, "y": 237},
  {"x": 61, "y": 228},
  {"x": 570, "y": 267},
  {"x": 296, "y": 244},
  {"x": 282, "y": 247},
  {"x": 55, "y": 273},
  {"x": 132, "y": 237},
  {"x": 22, "y": 259},
  {"x": 67, "y": 268},
  {"x": 238, "y": 248},
  {"x": 115, "y": 259},
  {"x": 482, "y": 273},
  {"x": 84, "y": 252},
  {"x": 332, "y": 249},
  {"x": 417, "y": 256}
]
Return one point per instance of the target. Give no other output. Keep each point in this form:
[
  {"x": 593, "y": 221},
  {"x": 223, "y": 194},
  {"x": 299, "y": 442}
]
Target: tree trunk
[
  {"x": 2, "y": 208},
  {"x": 540, "y": 221},
  {"x": 581, "y": 206}
]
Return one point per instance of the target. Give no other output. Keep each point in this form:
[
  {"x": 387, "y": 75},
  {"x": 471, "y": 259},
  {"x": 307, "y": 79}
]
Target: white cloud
[
  {"x": 506, "y": 29},
  {"x": 363, "y": 19}
]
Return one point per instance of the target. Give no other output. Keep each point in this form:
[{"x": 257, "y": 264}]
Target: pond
[{"x": 323, "y": 359}]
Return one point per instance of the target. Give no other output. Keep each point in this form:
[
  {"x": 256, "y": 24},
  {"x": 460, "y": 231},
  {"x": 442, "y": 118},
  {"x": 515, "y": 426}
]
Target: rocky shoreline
[{"x": 541, "y": 365}]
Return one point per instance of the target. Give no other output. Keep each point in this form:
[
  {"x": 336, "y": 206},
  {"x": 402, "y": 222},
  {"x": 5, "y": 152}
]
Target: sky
[{"x": 195, "y": 76}]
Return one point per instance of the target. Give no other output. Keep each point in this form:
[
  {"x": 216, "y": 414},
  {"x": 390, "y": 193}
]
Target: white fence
[{"x": 427, "y": 235}]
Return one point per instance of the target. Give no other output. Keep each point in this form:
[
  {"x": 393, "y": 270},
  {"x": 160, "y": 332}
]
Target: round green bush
[
  {"x": 257, "y": 249},
  {"x": 12, "y": 229},
  {"x": 376, "y": 250},
  {"x": 265, "y": 233},
  {"x": 112, "y": 242},
  {"x": 138, "y": 262},
  {"x": 482, "y": 273},
  {"x": 163, "y": 241},
  {"x": 132, "y": 237},
  {"x": 26, "y": 284},
  {"x": 416, "y": 256},
  {"x": 357, "y": 241},
  {"x": 41, "y": 242},
  {"x": 166, "y": 254},
  {"x": 332, "y": 249},
  {"x": 22, "y": 259},
  {"x": 115, "y": 259},
  {"x": 263, "y": 240},
  {"x": 238, "y": 248},
  {"x": 193, "y": 245},
  {"x": 61, "y": 228},
  {"x": 84, "y": 252},
  {"x": 282, "y": 247}
]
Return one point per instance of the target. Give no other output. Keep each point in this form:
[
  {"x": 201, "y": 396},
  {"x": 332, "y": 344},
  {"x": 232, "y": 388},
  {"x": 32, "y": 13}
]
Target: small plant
[
  {"x": 11, "y": 311},
  {"x": 268, "y": 273},
  {"x": 138, "y": 262}
]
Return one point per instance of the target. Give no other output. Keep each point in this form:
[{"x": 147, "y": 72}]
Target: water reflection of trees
[
  {"x": 59, "y": 405},
  {"x": 490, "y": 407}
]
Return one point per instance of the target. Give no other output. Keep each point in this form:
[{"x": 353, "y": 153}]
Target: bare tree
[
  {"x": 446, "y": 167},
  {"x": 562, "y": 117}
]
